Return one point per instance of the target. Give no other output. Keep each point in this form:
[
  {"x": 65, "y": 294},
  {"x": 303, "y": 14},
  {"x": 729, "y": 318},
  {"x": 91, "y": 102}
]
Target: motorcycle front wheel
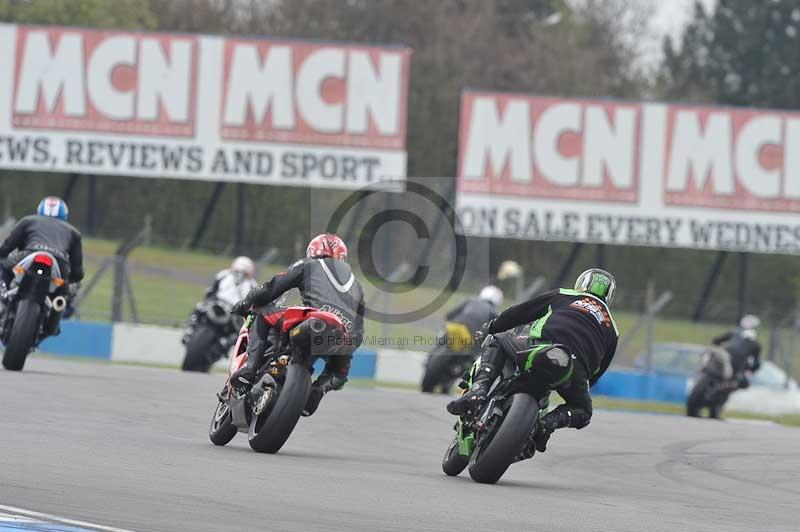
[
  {"x": 222, "y": 429},
  {"x": 453, "y": 462}
]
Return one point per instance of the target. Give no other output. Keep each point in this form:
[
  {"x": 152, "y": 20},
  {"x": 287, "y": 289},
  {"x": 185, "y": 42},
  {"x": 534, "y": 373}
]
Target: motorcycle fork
[
  {"x": 466, "y": 383},
  {"x": 466, "y": 440}
]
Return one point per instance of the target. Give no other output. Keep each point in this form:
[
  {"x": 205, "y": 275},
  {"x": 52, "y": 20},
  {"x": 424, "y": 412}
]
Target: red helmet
[{"x": 327, "y": 245}]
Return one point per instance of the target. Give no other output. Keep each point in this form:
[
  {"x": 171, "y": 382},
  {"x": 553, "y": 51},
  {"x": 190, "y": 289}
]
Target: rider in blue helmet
[
  {"x": 53, "y": 206},
  {"x": 47, "y": 230}
]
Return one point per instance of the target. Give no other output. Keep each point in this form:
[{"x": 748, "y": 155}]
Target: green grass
[
  {"x": 167, "y": 299},
  {"x": 162, "y": 297},
  {"x": 610, "y": 403}
]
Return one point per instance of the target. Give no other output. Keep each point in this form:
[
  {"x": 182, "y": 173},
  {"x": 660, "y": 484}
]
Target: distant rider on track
[
  {"x": 48, "y": 231},
  {"x": 474, "y": 312},
  {"x": 456, "y": 349},
  {"x": 325, "y": 282},
  {"x": 744, "y": 348},
  {"x": 571, "y": 343},
  {"x": 230, "y": 286}
]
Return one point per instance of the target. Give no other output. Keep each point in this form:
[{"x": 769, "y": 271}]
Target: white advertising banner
[
  {"x": 629, "y": 173},
  {"x": 201, "y": 107}
]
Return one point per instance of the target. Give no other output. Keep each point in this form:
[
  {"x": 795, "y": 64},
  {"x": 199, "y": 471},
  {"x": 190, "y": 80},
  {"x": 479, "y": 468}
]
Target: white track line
[{"x": 63, "y": 520}]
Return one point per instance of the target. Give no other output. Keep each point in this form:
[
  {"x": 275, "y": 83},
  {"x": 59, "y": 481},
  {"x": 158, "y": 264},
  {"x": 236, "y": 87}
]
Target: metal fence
[{"x": 152, "y": 277}]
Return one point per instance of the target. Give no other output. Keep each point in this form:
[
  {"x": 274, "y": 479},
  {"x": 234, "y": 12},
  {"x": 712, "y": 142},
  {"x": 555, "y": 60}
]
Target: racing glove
[
  {"x": 483, "y": 332},
  {"x": 242, "y": 308}
]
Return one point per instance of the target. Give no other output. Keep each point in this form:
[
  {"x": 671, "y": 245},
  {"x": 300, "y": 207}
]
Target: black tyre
[
  {"x": 270, "y": 431},
  {"x": 496, "y": 450},
  {"x": 200, "y": 350},
  {"x": 696, "y": 399},
  {"x": 454, "y": 463},
  {"x": 222, "y": 429},
  {"x": 437, "y": 371},
  {"x": 23, "y": 335}
]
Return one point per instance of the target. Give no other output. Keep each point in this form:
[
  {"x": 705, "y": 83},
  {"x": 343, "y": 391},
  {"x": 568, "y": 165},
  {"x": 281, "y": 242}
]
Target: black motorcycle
[
  {"x": 498, "y": 434},
  {"x": 715, "y": 383},
  {"x": 31, "y": 306},
  {"x": 215, "y": 331},
  {"x": 449, "y": 360}
]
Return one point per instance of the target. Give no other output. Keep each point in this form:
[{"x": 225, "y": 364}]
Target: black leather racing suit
[
  {"x": 571, "y": 343},
  {"x": 44, "y": 233},
  {"x": 472, "y": 313},
  {"x": 745, "y": 353},
  {"x": 325, "y": 284}
]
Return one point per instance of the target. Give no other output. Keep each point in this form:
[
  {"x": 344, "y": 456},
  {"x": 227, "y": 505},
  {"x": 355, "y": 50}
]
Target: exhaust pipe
[
  {"x": 59, "y": 303},
  {"x": 316, "y": 325}
]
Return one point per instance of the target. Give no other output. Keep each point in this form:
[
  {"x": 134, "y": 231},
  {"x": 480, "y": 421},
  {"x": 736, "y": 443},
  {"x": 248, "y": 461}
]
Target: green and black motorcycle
[{"x": 498, "y": 434}]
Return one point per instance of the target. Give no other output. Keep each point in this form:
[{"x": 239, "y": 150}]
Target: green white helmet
[{"x": 597, "y": 282}]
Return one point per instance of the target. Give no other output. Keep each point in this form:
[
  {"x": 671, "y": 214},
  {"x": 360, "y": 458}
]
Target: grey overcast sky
[{"x": 669, "y": 18}]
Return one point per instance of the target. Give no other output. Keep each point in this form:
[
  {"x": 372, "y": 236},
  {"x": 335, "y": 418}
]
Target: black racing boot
[
  {"x": 243, "y": 378},
  {"x": 257, "y": 344},
  {"x": 314, "y": 399},
  {"x": 325, "y": 383},
  {"x": 476, "y": 395}
]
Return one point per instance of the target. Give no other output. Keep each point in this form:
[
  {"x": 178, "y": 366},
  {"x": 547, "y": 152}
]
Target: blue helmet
[{"x": 53, "y": 206}]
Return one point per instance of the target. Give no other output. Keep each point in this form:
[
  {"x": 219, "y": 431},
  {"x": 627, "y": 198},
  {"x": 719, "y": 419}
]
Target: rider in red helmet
[{"x": 325, "y": 282}]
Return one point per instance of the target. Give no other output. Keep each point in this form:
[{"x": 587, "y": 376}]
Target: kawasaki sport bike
[{"x": 488, "y": 441}]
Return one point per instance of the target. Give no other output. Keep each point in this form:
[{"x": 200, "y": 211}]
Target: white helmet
[
  {"x": 492, "y": 294},
  {"x": 750, "y": 322},
  {"x": 244, "y": 266}
]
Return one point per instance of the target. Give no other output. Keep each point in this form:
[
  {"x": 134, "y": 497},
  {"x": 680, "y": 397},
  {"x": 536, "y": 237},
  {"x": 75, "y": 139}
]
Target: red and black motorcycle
[{"x": 269, "y": 411}]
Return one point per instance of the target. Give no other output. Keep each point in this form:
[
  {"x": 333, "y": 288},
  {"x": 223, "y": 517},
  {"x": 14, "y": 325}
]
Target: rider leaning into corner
[
  {"x": 230, "y": 286},
  {"x": 571, "y": 343},
  {"x": 325, "y": 282},
  {"x": 49, "y": 231},
  {"x": 744, "y": 348}
]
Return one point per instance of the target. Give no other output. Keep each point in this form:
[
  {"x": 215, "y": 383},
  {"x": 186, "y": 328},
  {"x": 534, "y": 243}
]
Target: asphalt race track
[{"x": 127, "y": 447}]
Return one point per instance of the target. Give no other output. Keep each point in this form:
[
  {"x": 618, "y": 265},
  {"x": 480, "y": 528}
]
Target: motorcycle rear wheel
[
  {"x": 269, "y": 431},
  {"x": 495, "y": 452},
  {"x": 696, "y": 399},
  {"x": 437, "y": 371},
  {"x": 23, "y": 335},
  {"x": 200, "y": 355}
]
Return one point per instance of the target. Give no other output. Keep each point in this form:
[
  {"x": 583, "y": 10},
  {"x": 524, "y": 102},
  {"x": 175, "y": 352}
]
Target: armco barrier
[
  {"x": 400, "y": 367},
  {"x": 161, "y": 345},
  {"x": 129, "y": 342},
  {"x": 406, "y": 367},
  {"x": 147, "y": 343},
  {"x": 631, "y": 384},
  {"x": 81, "y": 338}
]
